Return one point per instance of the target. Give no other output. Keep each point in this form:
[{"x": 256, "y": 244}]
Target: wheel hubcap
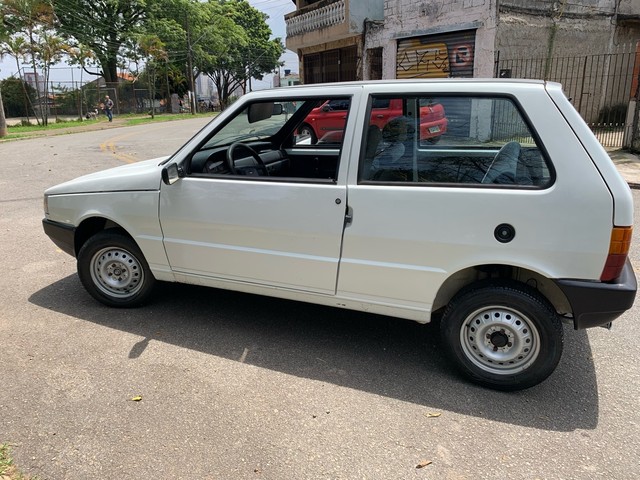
[
  {"x": 116, "y": 272},
  {"x": 500, "y": 340}
]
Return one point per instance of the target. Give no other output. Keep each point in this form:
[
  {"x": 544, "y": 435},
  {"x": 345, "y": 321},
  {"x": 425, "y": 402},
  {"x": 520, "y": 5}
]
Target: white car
[{"x": 514, "y": 221}]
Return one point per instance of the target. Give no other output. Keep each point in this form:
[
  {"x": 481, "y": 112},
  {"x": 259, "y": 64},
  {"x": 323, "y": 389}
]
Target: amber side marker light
[{"x": 618, "y": 250}]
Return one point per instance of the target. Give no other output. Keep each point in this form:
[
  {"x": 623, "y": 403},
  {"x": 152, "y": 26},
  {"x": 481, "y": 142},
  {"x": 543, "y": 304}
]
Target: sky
[{"x": 276, "y": 9}]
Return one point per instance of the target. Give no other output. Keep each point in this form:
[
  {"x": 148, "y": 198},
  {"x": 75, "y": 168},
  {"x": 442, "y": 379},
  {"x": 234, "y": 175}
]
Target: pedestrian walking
[{"x": 108, "y": 107}]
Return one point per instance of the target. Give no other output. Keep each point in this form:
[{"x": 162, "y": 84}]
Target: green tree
[
  {"x": 155, "y": 51},
  {"x": 13, "y": 93},
  {"x": 30, "y": 19},
  {"x": 17, "y": 48},
  {"x": 194, "y": 35},
  {"x": 108, "y": 28},
  {"x": 49, "y": 53},
  {"x": 240, "y": 61}
]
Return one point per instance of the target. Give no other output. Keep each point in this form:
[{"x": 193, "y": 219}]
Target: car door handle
[{"x": 379, "y": 116}]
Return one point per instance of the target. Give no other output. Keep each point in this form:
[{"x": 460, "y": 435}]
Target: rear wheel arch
[
  {"x": 470, "y": 276},
  {"x": 311, "y": 130}
]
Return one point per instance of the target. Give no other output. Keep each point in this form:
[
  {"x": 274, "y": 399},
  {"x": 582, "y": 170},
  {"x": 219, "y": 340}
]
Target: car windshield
[{"x": 255, "y": 122}]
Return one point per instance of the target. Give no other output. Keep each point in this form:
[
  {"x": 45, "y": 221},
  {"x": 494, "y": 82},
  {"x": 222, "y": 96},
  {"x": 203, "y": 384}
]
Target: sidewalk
[{"x": 628, "y": 164}]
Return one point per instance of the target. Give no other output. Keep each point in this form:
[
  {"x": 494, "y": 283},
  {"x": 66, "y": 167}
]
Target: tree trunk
[{"x": 3, "y": 121}]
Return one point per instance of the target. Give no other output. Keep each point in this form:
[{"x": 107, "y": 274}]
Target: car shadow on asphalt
[{"x": 377, "y": 354}]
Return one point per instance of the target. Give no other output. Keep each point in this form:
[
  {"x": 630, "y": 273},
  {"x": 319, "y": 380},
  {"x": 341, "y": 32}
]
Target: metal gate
[{"x": 599, "y": 86}]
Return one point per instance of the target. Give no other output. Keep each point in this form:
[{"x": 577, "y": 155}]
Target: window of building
[
  {"x": 339, "y": 65},
  {"x": 375, "y": 63}
]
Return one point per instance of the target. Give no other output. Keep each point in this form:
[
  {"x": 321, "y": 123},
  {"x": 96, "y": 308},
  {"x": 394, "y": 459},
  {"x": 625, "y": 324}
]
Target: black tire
[
  {"x": 305, "y": 129},
  {"x": 502, "y": 335},
  {"x": 114, "y": 271}
]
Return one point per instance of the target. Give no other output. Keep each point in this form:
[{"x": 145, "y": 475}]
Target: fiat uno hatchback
[{"x": 515, "y": 220}]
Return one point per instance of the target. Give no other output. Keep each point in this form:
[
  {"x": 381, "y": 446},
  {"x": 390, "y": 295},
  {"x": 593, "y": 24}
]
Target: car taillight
[
  {"x": 618, "y": 250},
  {"x": 431, "y": 113}
]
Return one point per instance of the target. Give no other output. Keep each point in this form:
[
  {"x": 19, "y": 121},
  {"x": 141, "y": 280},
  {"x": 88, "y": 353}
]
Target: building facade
[
  {"x": 328, "y": 36},
  {"x": 339, "y": 40}
]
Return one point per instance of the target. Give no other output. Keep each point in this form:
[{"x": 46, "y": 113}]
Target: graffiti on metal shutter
[{"x": 436, "y": 56}]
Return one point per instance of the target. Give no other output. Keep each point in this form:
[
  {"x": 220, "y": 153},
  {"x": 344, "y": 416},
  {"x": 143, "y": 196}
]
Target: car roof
[{"x": 423, "y": 81}]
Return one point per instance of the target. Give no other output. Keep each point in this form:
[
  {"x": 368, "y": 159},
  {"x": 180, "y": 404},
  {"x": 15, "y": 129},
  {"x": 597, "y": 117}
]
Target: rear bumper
[
  {"x": 61, "y": 234},
  {"x": 595, "y": 304}
]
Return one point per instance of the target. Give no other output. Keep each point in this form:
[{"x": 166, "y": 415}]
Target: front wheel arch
[{"x": 91, "y": 226}]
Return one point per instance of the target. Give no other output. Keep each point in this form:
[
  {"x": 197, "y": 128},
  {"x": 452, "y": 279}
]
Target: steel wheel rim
[
  {"x": 500, "y": 340},
  {"x": 116, "y": 272}
]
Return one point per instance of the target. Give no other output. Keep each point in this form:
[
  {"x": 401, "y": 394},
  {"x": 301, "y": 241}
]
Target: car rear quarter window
[{"x": 452, "y": 140}]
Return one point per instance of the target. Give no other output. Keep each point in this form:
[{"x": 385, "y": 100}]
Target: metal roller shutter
[{"x": 437, "y": 56}]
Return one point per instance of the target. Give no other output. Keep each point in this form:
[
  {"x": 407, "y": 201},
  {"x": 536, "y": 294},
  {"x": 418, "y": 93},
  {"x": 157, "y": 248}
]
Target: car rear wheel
[
  {"x": 114, "y": 271},
  {"x": 503, "y": 335}
]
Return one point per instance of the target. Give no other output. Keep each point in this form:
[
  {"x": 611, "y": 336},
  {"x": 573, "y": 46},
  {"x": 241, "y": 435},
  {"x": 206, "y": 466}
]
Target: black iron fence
[{"x": 599, "y": 86}]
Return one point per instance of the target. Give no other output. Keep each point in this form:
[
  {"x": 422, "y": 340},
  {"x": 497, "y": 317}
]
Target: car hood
[{"x": 144, "y": 175}]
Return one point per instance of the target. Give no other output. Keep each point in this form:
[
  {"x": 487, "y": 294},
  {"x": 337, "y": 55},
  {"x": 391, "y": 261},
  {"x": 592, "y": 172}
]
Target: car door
[
  {"x": 333, "y": 117},
  {"x": 280, "y": 232},
  {"x": 383, "y": 110}
]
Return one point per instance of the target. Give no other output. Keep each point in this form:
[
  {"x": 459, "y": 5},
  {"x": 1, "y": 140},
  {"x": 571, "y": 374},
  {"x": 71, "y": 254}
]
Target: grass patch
[
  {"x": 23, "y": 130},
  {"x": 7, "y": 468},
  {"x": 166, "y": 117},
  {"x": 53, "y": 125}
]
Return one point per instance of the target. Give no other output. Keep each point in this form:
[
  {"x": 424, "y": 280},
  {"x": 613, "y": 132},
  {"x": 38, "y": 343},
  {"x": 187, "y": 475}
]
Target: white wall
[{"x": 413, "y": 18}]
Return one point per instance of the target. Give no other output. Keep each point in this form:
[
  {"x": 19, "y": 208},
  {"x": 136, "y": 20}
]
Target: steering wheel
[{"x": 254, "y": 154}]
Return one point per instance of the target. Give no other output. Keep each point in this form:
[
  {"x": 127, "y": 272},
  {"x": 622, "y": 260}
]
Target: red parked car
[{"x": 326, "y": 122}]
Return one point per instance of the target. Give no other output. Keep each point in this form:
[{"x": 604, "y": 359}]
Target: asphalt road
[{"x": 244, "y": 387}]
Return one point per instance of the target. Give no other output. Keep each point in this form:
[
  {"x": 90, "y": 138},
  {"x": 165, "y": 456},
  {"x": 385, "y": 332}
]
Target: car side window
[
  {"x": 453, "y": 140},
  {"x": 293, "y": 138}
]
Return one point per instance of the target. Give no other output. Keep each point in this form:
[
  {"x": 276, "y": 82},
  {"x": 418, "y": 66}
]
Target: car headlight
[{"x": 46, "y": 205}]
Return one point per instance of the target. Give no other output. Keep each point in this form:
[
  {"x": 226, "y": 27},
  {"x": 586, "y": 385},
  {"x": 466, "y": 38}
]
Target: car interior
[
  {"x": 264, "y": 141},
  {"x": 487, "y": 142},
  {"x": 269, "y": 145}
]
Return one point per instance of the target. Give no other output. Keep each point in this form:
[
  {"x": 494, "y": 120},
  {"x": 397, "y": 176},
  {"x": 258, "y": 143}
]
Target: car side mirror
[
  {"x": 170, "y": 174},
  {"x": 326, "y": 108}
]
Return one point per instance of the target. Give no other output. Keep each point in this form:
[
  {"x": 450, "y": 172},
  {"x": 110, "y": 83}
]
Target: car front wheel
[
  {"x": 114, "y": 271},
  {"x": 503, "y": 335}
]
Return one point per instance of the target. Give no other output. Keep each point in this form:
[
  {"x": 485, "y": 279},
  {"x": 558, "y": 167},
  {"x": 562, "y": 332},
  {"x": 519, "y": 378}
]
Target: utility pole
[{"x": 192, "y": 100}]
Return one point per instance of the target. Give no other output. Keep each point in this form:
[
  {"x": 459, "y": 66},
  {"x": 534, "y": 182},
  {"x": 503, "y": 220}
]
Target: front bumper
[
  {"x": 595, "y": 304},
  {"x": 61, "y": 234}
]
